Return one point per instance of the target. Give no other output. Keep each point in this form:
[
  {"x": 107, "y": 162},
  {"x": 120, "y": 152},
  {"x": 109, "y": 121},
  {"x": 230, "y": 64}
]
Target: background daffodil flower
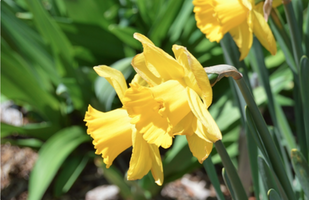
[
  {"x": 176, "y": 101},
  {"x": 113, "y": 133},
  {"x": 241, "y": 18}
]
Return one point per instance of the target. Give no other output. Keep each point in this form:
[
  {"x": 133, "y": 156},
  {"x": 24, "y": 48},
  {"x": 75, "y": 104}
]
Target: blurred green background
[{"x": 48, "y": 49}]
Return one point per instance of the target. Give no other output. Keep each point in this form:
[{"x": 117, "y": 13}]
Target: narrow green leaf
[
  {"x": 30, "y": 46},
  {"x": 273, "y": 195},
  {"x": 233, "y": 177},
  {"x": 51, "y": 156},
  {"x": 61, "y": 7},
  {"x": 301, "y": 168},
  {"x": 295, "y": 32},
  {"x": 21, "y": 85},
  {"x": 73, "y": 166},
  {"x": 269, "y": 178},
  {"x": 266, "y": 138},
  {"x": 258, "y": 64},
  {"x": 212, "y": 174},
  {"x": 282, "y": 150},
  {"x": 255, "y": 134},
  {"x": 265, "y": 172},
  {"x": 40, "y": 131},
  {"x": 62, "y": 51},
  {"x": 306, "y": 32},
  {"x": 7, "y": 129},
  {"x": 257, "y": 61},
  {"x": 304, "y": 82},
  {"x": 283, "y": 39},
  {"x": 31, "y": 142},
  {"x": 298, "y": 10},
  {"x": 180, "y": 21},
  {"x": 144, "y": 7},
  {"x": 228, "y": 184},
  {"x": 288, "y": 137},
  {"x": 164, "y": 19},
  {"x": 253, "y": 152},
  {"x": 51, "y": 31}
]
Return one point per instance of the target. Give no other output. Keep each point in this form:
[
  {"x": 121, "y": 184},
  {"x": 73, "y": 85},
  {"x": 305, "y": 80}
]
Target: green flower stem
[
  {"x": 304, "y": 82},
  {"x": 270, "y": 146},
  {"x": 295, "y": 33},
  {"x": 211, "y": 171},
  {"x": 258, "y": 64},
  {"x": 283, "y": 39},
  {"x": 231, "y": 171}
]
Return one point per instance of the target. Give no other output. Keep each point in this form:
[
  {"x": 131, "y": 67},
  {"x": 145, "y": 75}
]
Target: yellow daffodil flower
[
  {"x": 241, "y": 18},
  {"x": 167, "y": 97},
  {"x": 176, "y": 101}
]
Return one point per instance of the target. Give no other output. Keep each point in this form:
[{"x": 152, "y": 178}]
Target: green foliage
[{"x": 48, "y": 49}]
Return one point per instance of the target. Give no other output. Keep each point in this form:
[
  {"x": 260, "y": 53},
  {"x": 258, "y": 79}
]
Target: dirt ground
[{"x": 16, "y": 165}]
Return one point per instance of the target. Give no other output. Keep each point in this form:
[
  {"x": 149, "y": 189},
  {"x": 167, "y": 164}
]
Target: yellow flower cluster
[
  {"x": 167, "y": 97},
  {"x": 241, "y": 18}
]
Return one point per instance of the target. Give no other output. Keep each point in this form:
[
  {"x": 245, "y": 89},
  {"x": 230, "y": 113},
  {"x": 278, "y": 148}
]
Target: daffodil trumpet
[{"x": 167, "y": 97}]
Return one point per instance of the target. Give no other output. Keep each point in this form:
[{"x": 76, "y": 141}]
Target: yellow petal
[
  {"x": 139, "y": 65},
  {"x": 195, "y": 75},
  {"x": 212, "y": 131},
  {"x": 186, "y": 126},
  {"x": 243, "y": 38},
  {"x": 207, "y": 21},
  {"x": 203, "y": 133},
  {"x": 173, "y": 95},
  {"x": 147, "y": 115},
  {"x": 111, "y": 132},
  {"x": 114, "y": 77},
  {"x": 161, "y": 64},
  {"x": 215, "y": 18},
  {"x": 262, "y": 31},
  {"x": 143, "y": 39},
  {"x": 248, "y": 3},
  {"x": 200, "y": 148},
  {"x": 156, "y": 168},
  {"x": 140, "y": 162},
  {"x": 155, "y": 111},
  {"x": 139, "y": 80}
]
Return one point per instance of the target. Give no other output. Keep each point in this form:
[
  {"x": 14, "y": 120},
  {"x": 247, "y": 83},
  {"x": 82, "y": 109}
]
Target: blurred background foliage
[{"x": 48, "y": 49}]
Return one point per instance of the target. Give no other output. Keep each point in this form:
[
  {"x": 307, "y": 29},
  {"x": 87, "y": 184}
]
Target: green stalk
[
  {"x": 282, "y": 38},
  {"x": 253, "y": 153},
  {"x": 258, "y": 64},
  {"x": 304, "y": 82},
  {"x": 306, "y": 32},
  {"x": 211, "y": 172},
  {"x": 270, "y": 146},
  {"x": 231, "y": 171},
  {"x": 295, "y": 33}
]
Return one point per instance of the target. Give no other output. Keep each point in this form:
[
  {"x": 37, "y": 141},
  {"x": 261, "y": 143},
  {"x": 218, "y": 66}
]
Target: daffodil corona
[
  {"x": 241, "y": 18},
  {"x": 168, "y": 96}
]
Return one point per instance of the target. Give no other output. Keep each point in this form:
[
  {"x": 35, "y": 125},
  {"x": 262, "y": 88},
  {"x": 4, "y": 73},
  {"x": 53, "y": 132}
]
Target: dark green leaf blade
[{"x": 51, "y": 156}]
